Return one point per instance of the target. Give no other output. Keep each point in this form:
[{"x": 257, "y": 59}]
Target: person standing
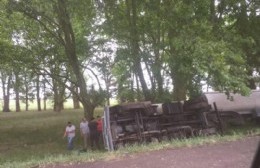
[
  {"x": 99, "y": 129},
  {"x": 84, "y": 130},
  {"x": 93, "y": 134},
  {"x": 70, "y": 134}
]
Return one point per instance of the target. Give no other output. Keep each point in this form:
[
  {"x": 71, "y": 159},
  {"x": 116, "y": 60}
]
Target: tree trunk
[
  {"x": 139, "y": 96},
  {"x": 59, "y": 91},
  {"x": 180, "y": 87},
  {"x": 44, "y": 96},
  {"x": 157, "y": 73},
  {"x": 6, "y": 93},
  {"x": 107, "y": 91},
  {"x": 26, "y": 99},
  {"x": 70, "y": 50},
  {"x": 38, "y": 93},
  {"x": 17, "y": 94},
  {"x": 6, "y": 107},
  {"x": 179, "y": 79},
  {"x": 26, "y": 95},
  {"x": 157, "y": 67},
  {"x": 75, "y": 97},
  {"x": 152, "y": 81},
  {"x": 44, "y": 103},
  {"x": 134, "y": 39},
  {"x": 58, "y": 105}
]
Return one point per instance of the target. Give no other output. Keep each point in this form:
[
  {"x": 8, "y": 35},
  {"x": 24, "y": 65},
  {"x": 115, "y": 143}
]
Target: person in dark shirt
[{"x": 93, "y": 134}]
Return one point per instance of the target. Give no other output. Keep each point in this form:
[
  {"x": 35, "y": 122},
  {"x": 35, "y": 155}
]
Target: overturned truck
[{"x": 146, "y": 122}]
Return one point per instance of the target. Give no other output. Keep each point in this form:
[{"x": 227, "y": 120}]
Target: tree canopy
[{"x": 130, "y": 50}]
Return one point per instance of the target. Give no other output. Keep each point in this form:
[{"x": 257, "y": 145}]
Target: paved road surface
[{"x": 237, "y": 154}]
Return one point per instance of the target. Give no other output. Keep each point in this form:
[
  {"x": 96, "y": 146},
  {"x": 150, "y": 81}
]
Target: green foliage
[
  {"x": 97, "y": 96},
  {"x": 179, "y": 44},
  {"x": 165, "y": 97},
  {"x": 127, "y": 95},
  {"x": 221, "y": 65}
]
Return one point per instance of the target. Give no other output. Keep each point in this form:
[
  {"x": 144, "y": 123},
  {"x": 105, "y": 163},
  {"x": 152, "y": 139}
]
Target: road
[{"x": 235, "y": 154}]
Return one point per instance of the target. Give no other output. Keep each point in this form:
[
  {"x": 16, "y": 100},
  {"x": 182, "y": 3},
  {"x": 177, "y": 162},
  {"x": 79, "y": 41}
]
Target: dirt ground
[{"x": 237, "y": 154}]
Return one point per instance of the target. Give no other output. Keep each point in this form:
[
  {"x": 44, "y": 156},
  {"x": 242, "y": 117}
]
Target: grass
[
  {"x": 33, "y": 104},
  {"x": 35, "y": 138}
]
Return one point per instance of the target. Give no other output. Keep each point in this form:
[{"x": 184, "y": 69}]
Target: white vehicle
[{"x": 244, "y": 105}]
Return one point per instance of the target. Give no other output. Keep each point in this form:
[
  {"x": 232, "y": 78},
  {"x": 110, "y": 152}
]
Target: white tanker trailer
[{"x": 244, "y": 105}]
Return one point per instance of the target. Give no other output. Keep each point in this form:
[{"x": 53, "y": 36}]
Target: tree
[
  {"x": 122, "y": 18},
  {"x": 57, "y": 20},
  {"x": 246, "y": 22},
  {"x": 103, "y": 62},
  {"x": 6, "y": 86},
  {"x": 186, "y": 42},
  {"x": 162, "y": 48}
]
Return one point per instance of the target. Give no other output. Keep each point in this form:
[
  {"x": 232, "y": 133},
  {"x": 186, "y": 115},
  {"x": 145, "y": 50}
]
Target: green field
[
  {"x": 68, "y": 104},
  {"x": 35, "y": 135},
  {"x": 36, "y": 138}
]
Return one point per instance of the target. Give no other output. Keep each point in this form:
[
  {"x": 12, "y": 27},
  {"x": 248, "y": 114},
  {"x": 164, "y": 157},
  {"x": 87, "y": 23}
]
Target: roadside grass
[{"x": 30, "y": 139}]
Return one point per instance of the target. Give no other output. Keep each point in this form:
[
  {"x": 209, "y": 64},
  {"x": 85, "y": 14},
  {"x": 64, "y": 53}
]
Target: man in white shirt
[
  {"x": 70, "y": 134},
  {"x": 84, "y": 130}
]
